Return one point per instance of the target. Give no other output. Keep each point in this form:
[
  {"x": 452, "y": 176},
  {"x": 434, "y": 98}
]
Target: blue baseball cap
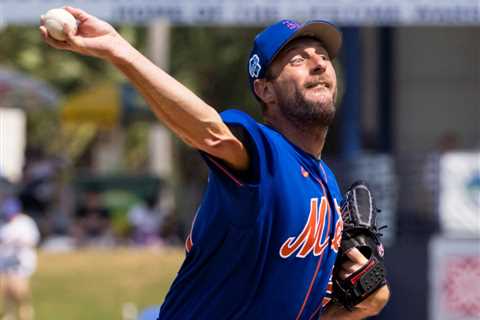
[{"x": 274, "y": 38}]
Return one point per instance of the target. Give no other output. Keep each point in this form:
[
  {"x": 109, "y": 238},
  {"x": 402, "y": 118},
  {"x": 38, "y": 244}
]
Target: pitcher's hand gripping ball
[
  {"x": 360, "y": 231},
  {"x": 54, "y": 20}
]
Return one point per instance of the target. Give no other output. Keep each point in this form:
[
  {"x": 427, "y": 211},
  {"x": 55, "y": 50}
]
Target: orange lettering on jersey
[
  {"x": 314, "y": 239},
  {"x": 337, "y": 239},
  {"x": 310, "y": 237},
  {"x": 308, "y": 231},
  {"x": 319, "y": 245}
]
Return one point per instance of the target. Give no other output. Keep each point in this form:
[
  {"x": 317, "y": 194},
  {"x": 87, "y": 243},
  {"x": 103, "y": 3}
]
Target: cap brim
[{"x": 325, "y": 32}]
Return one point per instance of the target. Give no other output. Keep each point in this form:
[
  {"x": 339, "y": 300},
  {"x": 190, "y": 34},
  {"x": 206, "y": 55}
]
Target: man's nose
[{"x": 319, "y": 64}]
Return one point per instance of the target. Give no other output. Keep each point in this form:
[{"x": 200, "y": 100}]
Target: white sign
[
  {"x": 459, "y": 203},
  {"x": 454, "y": 279},
  {"x": 12, "y": 142},
  {"x": 258, "y": 12}
]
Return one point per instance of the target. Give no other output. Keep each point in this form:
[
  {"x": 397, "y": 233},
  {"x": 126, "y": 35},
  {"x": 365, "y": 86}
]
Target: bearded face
[
  {"x": 304, "y": 84},
  {"x": 309, "y": 108}
]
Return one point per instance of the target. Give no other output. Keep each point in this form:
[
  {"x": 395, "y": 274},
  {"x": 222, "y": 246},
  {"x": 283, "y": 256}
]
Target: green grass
[{"x": 95, "y": 284}]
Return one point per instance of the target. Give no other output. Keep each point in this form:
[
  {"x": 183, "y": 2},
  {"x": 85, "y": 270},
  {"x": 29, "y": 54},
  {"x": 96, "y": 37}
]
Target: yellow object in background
[{"x": 100, "y": 105}]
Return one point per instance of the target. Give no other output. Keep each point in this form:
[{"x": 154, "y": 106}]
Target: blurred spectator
[
  {"x": 146, "y": 220},
  {"x": 152, "y": 222},
  {"x": 19, "y": 237},
  {"x": 93, "y": 222},
  {"x": 39, "y": 187}
]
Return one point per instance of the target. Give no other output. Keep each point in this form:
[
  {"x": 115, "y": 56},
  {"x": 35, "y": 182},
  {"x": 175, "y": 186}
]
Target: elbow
[
  {"x": 230, "y": 150},
  {"x": 214, "y": 142},
  {"x": 217, "y": 146},
  {"x": 210, "y": 144},
  {"x": 203, "y": 141},
  {"x": 209, "y": 137},
  {"x": 218, "y": 140}
]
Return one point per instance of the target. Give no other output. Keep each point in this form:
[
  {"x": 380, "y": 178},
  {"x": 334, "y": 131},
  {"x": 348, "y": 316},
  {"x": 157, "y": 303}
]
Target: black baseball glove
[{"x": 360, "y": 231}]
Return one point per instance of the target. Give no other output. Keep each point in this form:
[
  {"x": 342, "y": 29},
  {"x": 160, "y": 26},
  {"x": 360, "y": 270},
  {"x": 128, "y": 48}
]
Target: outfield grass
[{"x": 95, "y": 284}]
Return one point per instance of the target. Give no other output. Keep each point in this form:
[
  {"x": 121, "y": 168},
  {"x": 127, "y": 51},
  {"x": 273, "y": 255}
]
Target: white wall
[{"x": 436, "y": 86}]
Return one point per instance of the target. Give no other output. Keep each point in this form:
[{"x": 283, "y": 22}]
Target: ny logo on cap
[
  {"x": 292, "y": 25},
  {"x": 254, "y": 66}
]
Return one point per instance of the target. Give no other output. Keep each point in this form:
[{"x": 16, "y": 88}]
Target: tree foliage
[
  {"x": 23, "y": 50},
  {"x": 211, "y": 61}
]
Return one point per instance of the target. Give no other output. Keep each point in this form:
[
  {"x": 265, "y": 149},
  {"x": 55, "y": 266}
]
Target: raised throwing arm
[{"x": 193, "y": 120}]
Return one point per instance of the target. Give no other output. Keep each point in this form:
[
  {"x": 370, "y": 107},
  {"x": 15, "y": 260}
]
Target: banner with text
[{"x": 257, "y": 12}]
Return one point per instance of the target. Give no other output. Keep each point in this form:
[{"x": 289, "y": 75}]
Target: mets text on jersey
[{"x": 316, "y": 228}]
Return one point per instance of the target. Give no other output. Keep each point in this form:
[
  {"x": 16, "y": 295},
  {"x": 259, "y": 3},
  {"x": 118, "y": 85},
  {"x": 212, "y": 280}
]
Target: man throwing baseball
[{"x": 265, "y": 238}]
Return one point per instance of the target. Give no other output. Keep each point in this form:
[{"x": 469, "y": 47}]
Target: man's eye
[{"x": 297, "y": 60}]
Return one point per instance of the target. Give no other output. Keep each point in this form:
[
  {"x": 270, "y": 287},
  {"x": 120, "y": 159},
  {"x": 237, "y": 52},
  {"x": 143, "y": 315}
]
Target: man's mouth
[{"x": 317, "y": 84}]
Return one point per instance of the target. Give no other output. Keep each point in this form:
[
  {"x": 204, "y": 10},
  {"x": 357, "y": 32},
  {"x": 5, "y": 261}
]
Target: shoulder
[
  {"x": 236, "y": 119},
  {"x": 234, "y": 116}
]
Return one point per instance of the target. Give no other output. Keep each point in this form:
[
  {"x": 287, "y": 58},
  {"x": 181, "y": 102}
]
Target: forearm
[{"x": 194, "y": 121}]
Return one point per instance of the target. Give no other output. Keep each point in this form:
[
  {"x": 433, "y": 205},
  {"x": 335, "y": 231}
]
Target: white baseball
[{"x": 54, "y": 20}]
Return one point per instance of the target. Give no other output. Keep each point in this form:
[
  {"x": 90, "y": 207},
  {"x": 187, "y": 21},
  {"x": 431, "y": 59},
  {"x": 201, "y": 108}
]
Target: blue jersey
[{"x": 262, "y": 248}]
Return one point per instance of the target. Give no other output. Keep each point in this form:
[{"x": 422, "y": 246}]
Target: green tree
[
  {"x": 211, "y": 61},
  {"x": 23, "y": 50}
]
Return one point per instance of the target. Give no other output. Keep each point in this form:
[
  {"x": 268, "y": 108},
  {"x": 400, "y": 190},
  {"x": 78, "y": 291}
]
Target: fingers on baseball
[
  {"x": 50, "y": 41},
  {"x": 73, "y": 40},
  {"x": 43, "y": 32},
  {"x": 66, "y": 29},
  {"x": 79, "y": 14}
]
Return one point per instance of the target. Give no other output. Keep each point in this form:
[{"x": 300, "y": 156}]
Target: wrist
[{"x": 121, "y": 52}]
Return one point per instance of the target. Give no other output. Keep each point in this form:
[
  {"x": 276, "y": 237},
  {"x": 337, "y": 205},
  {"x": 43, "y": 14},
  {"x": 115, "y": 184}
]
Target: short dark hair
[{"x": 269, "y": 74}]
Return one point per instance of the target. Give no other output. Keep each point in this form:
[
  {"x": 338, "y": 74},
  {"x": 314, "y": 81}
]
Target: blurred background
[{"x": 113, "y": 193}]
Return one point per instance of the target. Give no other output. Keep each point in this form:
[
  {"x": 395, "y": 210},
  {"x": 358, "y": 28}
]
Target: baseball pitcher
[{"x": 265, "y": 238}]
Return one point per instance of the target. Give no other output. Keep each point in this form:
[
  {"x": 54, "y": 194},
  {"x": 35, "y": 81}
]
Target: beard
[{"x": 306, "y": 114}]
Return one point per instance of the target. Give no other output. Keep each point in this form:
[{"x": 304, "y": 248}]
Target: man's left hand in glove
[{"x": 371, "y": 306}]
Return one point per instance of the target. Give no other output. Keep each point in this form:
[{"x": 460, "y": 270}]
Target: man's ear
[{"x": 264, "y": 90}]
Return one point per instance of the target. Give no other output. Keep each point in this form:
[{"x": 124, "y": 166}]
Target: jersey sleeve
[
  {"x": 247, "y": 130},
  {"x": 240, "y": 192}
]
